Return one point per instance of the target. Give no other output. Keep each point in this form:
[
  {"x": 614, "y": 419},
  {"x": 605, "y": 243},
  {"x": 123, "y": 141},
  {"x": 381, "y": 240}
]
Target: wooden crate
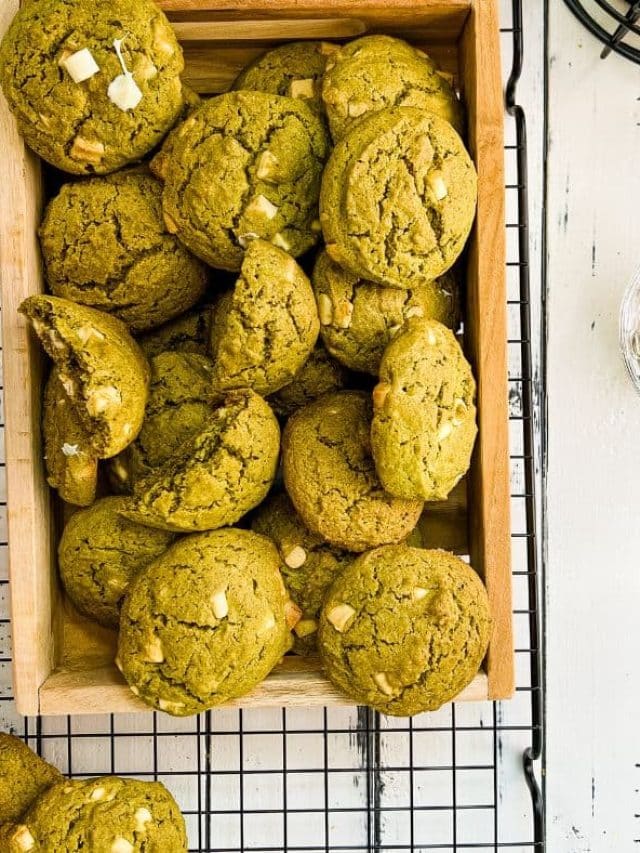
[{"x": 62, "y": 663}]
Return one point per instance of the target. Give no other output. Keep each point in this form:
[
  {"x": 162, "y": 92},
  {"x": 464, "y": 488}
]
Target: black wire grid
[
  {"x": 617, "y": 29},
  {"x": 350, "y": 779}
]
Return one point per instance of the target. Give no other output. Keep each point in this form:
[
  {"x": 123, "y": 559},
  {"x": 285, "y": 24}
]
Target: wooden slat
[
  {"x": 296, "y": 683},
  {"x": 489, "y": 494}
]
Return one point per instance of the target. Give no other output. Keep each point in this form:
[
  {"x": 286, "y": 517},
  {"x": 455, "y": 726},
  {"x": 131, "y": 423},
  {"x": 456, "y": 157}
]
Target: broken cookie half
[{"x": 101, "y": 368}]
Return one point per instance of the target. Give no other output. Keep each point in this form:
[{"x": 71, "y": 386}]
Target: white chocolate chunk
[
  {"x": 280, "y": 242},
  {"x": 437, "y": 184},
  {"x": 340, "y": 615},
  {"x": 121, "y": 845},
  {"x": 380, "y": 394},
  {"x": 414, "y": 311},
  {"x": 266, "y": 166},
  {"x": 23, "y": 839},
  {"x": 327, "y": 48},
  {"x": 325, "y": 309},
  {"x": 68, "y": 384},
  {"x": 153, "y": 652},
  {"x": 245, "y": 239},
  {"x": 81, "y": 65},
  {"x": 292, "y": 614},
  {"x": 432, "y": 339},
  {"x": 305, "y": 627},
  {"x": 382, "y": 682},
  {"x": 268, "y": 624},
  {"x": 219, "y": 604},
  {"x": 334, "y": 252},
  {"x": 460, "y": 410},
  {"x": 296, "y": 557},
  {"x": 98, "y": 794},
  {"x": 445, "y": 430},
  {"x": 120, "y": 471},
  {"x": 134, "y": 690},
  {"x": 343, "y": 314},
  {"x": 170, "y": 707},
  {"x": 418, "y": 593},
  {"x": 302, "y": 88},
  {"x": 100, "y": 399},
  {"x": 142, "y": 817},
  {"x": 145, "y": 69},
  {"x": 70, "y": 449},
  {"x": 357, "y": 108},
  {"x": 161, "y": 41},
  {"x": 124, "y": 92},
  {"x": 87, "y": 333},
  {"x": 87, "y": 149},
  {"x": 261, "y": 206}
]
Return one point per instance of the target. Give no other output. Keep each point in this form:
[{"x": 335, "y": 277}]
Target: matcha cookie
[
  {"x": 246, "y": 165},
  {"x": 218, "y": 476},
  {"x": 205, "y": 623},
  {"x": 424, "y": 423},
  {"x": 309, "y": 564},
  {"x": 317, "y": 376},
  {"x": 100, "y": 551},
  {"x": 404, "y": 630},
  {"x": 105, "y": 245},
  {"x": 103, "y": 815},
  {"x": 330, "y": 477},
  {"x": 160, "y": 161},
  {"x": 93, "y": 86},
  {"x": 101, "y": 368},
  {"x": 72, "y": 465},
  {"x": 358, "y": 318},
  {"x": 398, "y": 198},
  {"x": 189, "y": 333},
  {"x": 375, "y": 72},
  {"x": 293, "y": 69},
  {"x": 265, "y": 330},
  {"x": 24, "y": 776},
  {"x": 180, "y": 406}
]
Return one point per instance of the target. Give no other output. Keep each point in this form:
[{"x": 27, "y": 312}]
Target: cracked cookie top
[
  {"x": 398, "y": 197},
  {"x": 319, "y": 375},
  {"x": 204, "y": 623},
  {"x": 424, "y": 420},
  {"x": 404, "y": 629},
  {"x": 246, "y": 165},
  {"x": 105, "y": 244},
  {"x": 375, "y": 72},
  {"x": 23, "y": 777},
  {"x": 80, "y": 105},
  {"x": 359, "y": 318},
  {"x": 330, "y": 477}
]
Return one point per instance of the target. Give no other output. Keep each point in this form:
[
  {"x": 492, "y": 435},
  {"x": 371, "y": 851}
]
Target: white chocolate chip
[
  {"x": 121, "y": 845},
  {"x": 266, "y": 166},
  {"x": 80, "y": 66},
  {"x": 343, "y": 314},
  {"x": 120, "y": 471},
  {"x": 414, "y": 311},
  {"x": 245, "y": 239},
  {"x": 145, "y": 69},
  {"x": 124, "y": 92},
  {"x": 305, "y": 627},
  {"x": 161, "y": 41},
  {"x": 418, "y": 593},
  {"x": 432, "y": 339},
  {"x": 268, "y": 624},
  {"x": 357, "y": 108},
  {"x": 86, "y": 333},
  {"x": 380, "y": 394},
  {"x": 87, "y": 149},
  {"x": 325, "y": 309},
  {"x": 142, "y": 817},
  {"x": 134, "y": 690},
  {"x": 280, "y": 241},
  {"x": 340, "y": 615},
  {"x": 445, "y": 430},
  {"x": 101, "y": 398},
  {"x": 219, "y": 604},
  {"x": 127, "y": 428},
  {"x": 262, "y": 206},
  {"x": 334, "y": 252},
  {"x": 437, "y": 184},
  {"x": 327, "y": 48},
  {"x": 98, "y": 794},
  {"x": 460, "y": 410},
  {"x": 23, "y": 839},
  {"x": 70, "y": 449},
  {"x": 292, "y": 614},
  {"x": 296, "y": 557},
  {"x": 382, "y": 682},
  {"x": 302, "y": 88},
  {"x": 153, "y": 652},
  {"x": 68, "y": 384},
  {"x": 170, "y": 707}
]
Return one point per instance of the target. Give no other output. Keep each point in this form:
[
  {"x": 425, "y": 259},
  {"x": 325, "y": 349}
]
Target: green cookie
[
  {"x": 205, "y": 623},
  {"x": 404, "y": 630},
  {"x": 424, "y": 423},
  {"x": 265, "y": 330},
  {"x": 87, "y": 127},
  {"x": 105, "y": 245},
  {"x": 188, "y": 333},
  {"x": 160, "y": 161},
  {"x": 246, "y": 165},
  {"x": 24, "y": 776},
  {"x": 398, "y": 198},
  {"x": 100, "y": 551},
  {"x": 317, "y": 376}
]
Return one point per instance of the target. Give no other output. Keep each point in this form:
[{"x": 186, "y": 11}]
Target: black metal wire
[{"x": 621, "y": 26}]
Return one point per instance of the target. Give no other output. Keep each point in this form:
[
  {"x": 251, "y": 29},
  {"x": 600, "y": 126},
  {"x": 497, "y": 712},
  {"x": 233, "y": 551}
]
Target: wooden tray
[{"x": 62, "y": 663}]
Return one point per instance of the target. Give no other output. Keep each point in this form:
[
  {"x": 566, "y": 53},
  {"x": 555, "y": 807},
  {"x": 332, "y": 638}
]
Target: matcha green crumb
[{"x": 24, "y": 776}]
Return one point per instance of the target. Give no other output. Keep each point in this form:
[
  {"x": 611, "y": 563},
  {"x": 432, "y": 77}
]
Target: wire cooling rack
[{"x": 338, "y": 780}]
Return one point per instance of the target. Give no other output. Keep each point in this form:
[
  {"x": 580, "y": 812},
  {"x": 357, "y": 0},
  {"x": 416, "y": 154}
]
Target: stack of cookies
[{"x": 248, "y": 455}]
